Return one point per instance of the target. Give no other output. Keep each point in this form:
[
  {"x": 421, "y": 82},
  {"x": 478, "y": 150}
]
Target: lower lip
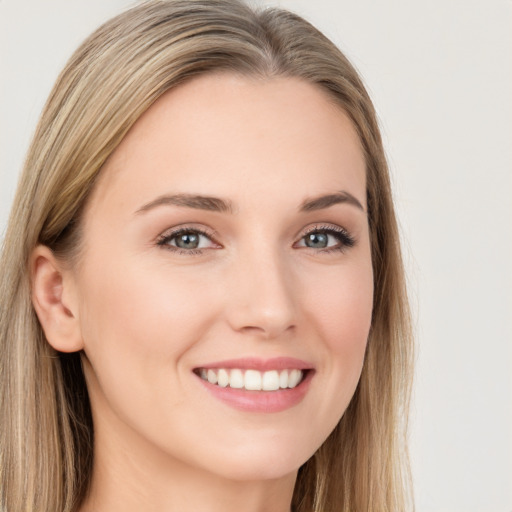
[{"x": 260, "y": 401}]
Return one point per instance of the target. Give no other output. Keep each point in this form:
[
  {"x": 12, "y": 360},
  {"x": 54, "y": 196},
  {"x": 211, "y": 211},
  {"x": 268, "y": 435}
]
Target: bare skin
[{"x": 276, "y": 265}]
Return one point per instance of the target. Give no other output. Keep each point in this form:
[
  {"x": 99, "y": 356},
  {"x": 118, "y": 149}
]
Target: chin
[{"x": 262, "y": 463}]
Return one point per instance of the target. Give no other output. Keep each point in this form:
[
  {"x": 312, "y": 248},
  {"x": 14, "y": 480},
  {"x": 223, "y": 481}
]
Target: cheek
[
  {"x": 343, "y": 306},
  {"x": 138, "y": 323},
  {"x": 341, "y": 311},
  {"x": 135, "y": 318},
  {"x": 131, "y": 297}
]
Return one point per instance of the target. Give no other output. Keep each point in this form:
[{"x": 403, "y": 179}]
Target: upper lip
[{"x": 254, "y": 363}]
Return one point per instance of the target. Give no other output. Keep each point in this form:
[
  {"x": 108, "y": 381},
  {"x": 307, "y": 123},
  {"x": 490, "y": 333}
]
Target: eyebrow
[
  {"x": 215, "y": 204},
  {"x": 321, "y": 202}
]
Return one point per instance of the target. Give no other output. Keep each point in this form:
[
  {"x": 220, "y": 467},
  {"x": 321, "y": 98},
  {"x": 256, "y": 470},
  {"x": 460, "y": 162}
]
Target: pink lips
[
  {"x": 253, "y": 363},
  {"x": 261, "y": 401}
]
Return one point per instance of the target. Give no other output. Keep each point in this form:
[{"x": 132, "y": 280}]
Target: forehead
[{"x": 237, "y": 136}]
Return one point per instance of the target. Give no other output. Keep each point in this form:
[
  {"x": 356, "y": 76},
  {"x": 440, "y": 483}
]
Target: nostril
[{"x": 268, "y": 330}]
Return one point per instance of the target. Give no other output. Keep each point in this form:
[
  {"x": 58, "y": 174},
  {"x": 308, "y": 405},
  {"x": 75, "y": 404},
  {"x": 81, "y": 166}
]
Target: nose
[{"x": 261, "y": 298}]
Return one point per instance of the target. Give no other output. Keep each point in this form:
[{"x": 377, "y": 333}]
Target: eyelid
[
  {"x": 346, "y": 240},
  {"x": 171, "y": 233}
]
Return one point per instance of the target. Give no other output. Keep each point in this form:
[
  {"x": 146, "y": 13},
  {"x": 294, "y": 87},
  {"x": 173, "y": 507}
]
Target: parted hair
[{"x": 46, "y": 429}]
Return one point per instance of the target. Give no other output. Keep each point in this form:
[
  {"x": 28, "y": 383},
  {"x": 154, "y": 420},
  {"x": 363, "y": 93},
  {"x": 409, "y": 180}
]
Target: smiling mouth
[{"x": 252, "y": 380}]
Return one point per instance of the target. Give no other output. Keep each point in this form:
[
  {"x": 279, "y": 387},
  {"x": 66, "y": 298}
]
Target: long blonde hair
[{"x": 46, "y": 434}]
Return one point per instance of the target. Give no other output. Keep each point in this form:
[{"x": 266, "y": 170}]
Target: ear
[{"x": 54, "y": 300}]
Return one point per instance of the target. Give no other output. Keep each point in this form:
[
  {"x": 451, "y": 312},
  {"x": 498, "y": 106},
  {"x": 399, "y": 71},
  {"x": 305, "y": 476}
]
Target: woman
[{"x": 203, "y": 301}]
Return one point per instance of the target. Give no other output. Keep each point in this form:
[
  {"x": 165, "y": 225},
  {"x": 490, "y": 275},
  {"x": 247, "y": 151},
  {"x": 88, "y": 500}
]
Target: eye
[
  {"x": 187, "y": 240},
  {"x": 326, "y": 239}
]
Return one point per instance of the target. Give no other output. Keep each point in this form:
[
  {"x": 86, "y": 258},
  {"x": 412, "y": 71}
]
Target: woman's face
[{"x": 226, "y": 248}]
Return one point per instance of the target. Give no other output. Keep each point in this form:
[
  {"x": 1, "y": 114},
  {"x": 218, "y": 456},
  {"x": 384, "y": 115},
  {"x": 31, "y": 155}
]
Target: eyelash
[
  {"x": 346, "y": 241},
  {"x": 163, "y": 240}
]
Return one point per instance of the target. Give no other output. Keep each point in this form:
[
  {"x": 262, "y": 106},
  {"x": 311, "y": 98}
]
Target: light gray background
[{"x": 440, "y": 74}]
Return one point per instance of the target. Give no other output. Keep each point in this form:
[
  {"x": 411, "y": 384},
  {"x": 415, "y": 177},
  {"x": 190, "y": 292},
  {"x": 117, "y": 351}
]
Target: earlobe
[{"x": 52, "y": 297}]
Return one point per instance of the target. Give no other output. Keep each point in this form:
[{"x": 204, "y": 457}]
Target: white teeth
[
  {"x": 294, "y": 378},
  {"x": 223, "y": 378},
  {"x": 236, "y": 379},
  {"x": 283, "y": 379},
  {"x": 253, "y": 380},
  {"x": 212, "y": 377},
  {"x": 270, "y": 380}
]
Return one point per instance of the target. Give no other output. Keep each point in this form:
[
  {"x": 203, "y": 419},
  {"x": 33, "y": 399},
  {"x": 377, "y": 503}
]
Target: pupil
[
  {"x": 188, "y": 241},
  {"x": 317, "y": 240}
]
